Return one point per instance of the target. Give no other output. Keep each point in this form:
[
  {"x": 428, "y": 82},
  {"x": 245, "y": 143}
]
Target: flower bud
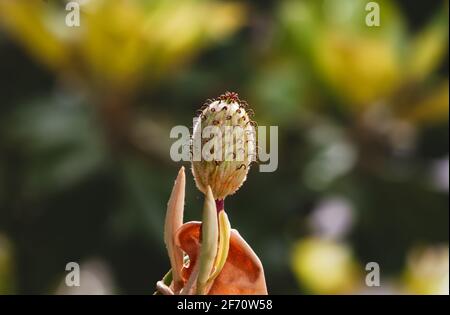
[{"x": 223, "y": 145}]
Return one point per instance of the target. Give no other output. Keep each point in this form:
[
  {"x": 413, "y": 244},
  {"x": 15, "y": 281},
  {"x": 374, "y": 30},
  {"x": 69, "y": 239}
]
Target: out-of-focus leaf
[
  {"x": 32, "y": 23},
  {"x": 6, "y": 267},
  {"x": 333, "y": 157},
  {"x": 59, "y": 142},
  {"x": 359, "y": 69},
  {"x": 359, "y": 64},
  {"x": 277, "y": 89},
  {"x": 433, "y": 108},
  {"x": 119, "y": 42},
  {"x": 428, "y": 48}
]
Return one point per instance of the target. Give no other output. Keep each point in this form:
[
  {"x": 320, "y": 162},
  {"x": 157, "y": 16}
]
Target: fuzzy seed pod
[{"x": 223, "y": 145}]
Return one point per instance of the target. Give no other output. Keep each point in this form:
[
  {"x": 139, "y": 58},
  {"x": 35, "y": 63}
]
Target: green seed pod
[{"x": 223, "y": 145}]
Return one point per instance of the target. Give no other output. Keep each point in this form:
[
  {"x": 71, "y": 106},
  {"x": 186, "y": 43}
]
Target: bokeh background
[{"x": 85, "y": 115}]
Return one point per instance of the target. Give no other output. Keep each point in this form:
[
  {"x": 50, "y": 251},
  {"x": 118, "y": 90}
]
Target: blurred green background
[{"x": 85, "y": 115}]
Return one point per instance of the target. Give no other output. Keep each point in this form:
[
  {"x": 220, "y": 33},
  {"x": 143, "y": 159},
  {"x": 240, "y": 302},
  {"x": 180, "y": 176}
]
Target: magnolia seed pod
[{"x": 223, "y": 145}]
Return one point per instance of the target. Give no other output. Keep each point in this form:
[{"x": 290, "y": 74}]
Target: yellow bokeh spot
[{"x": 324, "y": 266}]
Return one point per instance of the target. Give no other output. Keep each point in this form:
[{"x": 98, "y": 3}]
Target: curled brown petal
[
  {"x": 174, "y": 220},
  {"x": 163, "y": 288},
  {"x": 242, "y": 273}
]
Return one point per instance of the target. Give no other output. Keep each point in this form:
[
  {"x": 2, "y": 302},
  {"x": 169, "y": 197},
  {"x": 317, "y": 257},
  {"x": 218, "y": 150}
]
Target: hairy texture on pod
[{"x": 223, "y": 145}]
